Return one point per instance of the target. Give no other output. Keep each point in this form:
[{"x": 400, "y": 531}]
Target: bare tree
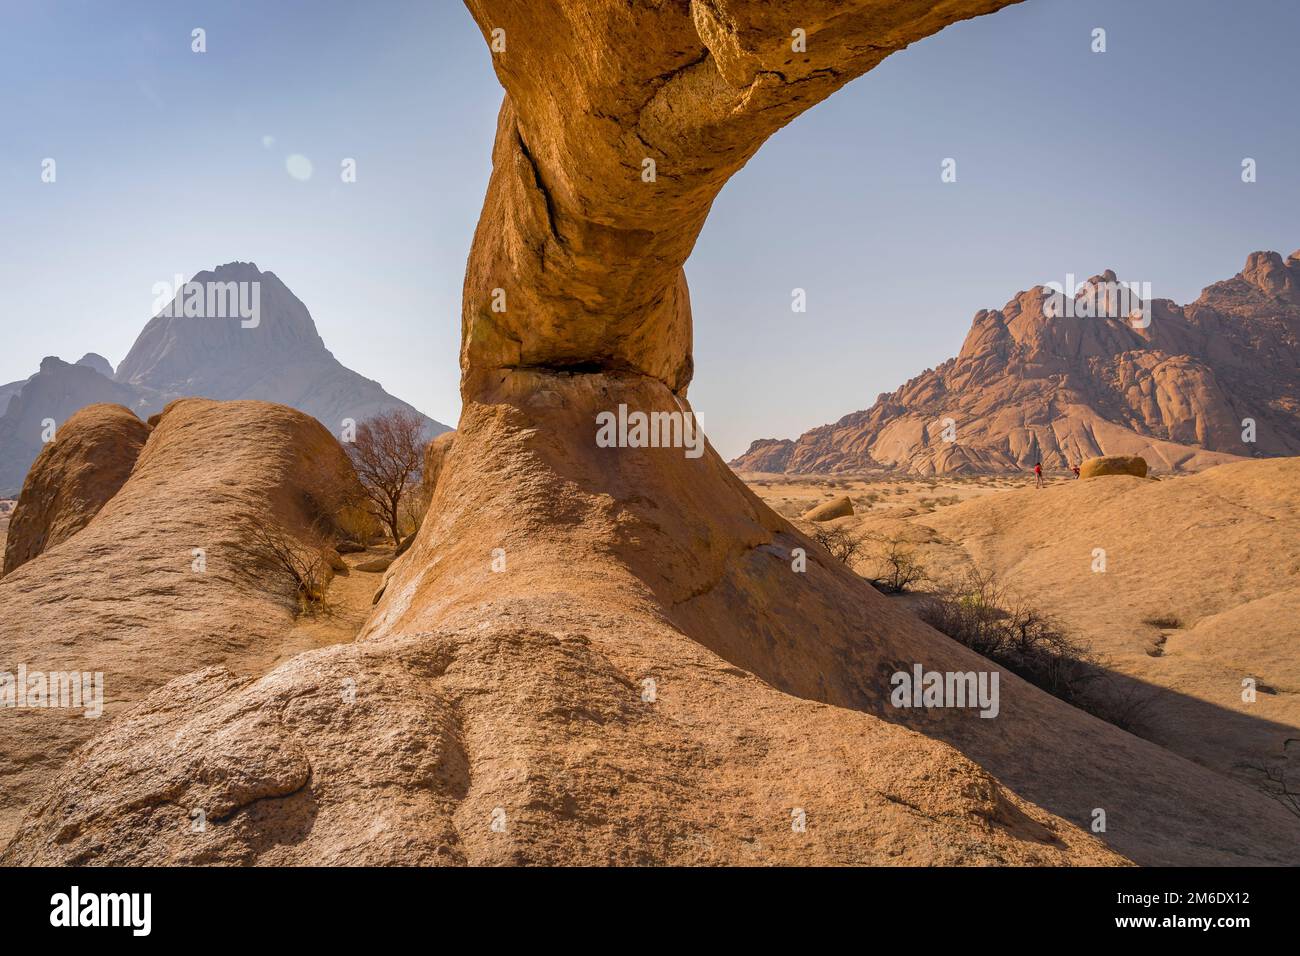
[
  {"x": 842, "y": 544},
  {"x": 388, "y": 453},
  {"x": 1273, "y": 782},
  {"x": 898, "y": 569}
]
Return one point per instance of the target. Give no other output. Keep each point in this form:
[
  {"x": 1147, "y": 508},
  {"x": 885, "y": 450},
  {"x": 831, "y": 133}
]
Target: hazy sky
[{"x": 171, "y": 162}]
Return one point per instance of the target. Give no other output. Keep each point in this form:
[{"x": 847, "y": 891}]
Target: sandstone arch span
[{"x": 588, "y": 252}]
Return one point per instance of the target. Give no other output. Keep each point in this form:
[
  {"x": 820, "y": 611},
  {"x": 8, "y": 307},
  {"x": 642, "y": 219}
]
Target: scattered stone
[
  {"x": 1134, "y": 465},
  {"x": 835, "y": 508}
]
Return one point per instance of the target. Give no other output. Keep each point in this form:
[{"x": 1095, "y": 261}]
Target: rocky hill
[
  {"x": 54, "y": 394},
  {"x": 73, "y": 478},
  {"x": 161, "y": 577},
  {"x": 1034, "y": 381}
]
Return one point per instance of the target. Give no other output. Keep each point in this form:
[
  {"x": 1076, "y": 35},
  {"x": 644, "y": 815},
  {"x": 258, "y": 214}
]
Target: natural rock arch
[
  {"x": 589, "y": 253},
  {"x": 607, "y": 655}
]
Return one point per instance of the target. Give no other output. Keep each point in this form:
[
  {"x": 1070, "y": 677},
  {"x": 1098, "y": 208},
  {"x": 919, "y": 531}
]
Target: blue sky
[{"x": 1067, "y": 161}]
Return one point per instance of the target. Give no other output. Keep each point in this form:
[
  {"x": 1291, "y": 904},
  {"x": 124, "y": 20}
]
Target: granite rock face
[
  {"x": 435, "y": 459},
  {"x": 72, "y": 478},
  {"x": 1200, "y": 385},
  {"x": 162, "y": 580}
]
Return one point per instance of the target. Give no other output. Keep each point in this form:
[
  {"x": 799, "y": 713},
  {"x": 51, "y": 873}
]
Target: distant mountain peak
[
  {"x": 281, "y": 358},
  {"x": 217, "y": 322},
  {"x": 96, "y": 361}
]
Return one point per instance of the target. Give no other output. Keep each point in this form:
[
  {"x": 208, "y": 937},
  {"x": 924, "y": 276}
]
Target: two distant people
[{"x": 1038, "y": 474}]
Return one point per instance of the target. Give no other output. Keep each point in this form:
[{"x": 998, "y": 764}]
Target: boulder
[
  {"x": 167, "y": 578},
  {"x": 839, "y": 507},
  {"x": 73, "y": 478},
  {"x": 1134, "y": 465}
]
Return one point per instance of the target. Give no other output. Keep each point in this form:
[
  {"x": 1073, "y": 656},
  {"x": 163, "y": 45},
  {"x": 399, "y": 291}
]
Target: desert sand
[{"x": 1199, "y": 593}]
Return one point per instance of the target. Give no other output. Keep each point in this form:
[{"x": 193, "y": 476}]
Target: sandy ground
[
  {"x": 881, "y": 494},
  {"x": 1201, "y": 589},
  {"x": 348, "y": 603}
]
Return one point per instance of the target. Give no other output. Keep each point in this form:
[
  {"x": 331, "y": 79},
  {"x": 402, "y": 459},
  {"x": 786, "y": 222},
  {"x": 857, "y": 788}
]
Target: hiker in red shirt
[
  {"x": 1075, "y": 469},
  {"x": 1038, "y": 475}
]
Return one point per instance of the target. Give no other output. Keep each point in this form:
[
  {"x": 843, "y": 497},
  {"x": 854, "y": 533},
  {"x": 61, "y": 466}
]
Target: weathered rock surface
[
  {"x": 1114, "y": 465},
  {"x": 125, "y": 595},
  {"x": 73, "y": 478},
  {"x": 1029, "y": 384},
  {"x": 435, "y": 457}
]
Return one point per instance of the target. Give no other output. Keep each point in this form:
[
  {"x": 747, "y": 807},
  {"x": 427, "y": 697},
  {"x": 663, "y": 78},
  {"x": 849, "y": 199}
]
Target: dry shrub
[
  {"x": 301, "y": 561},
  {"x": 1280, "y": 780},
  {"x": 897, "y": 568},
  {"x": 356, "y": 523},
  {"x": 843, "y": 545},
  {"x": 987, "y": 617}
]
